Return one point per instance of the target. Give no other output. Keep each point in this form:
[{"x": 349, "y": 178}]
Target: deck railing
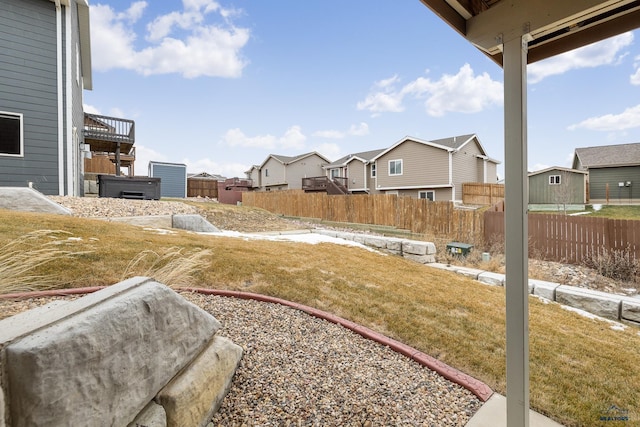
[
  {"x": 107, "y": 128},
  {"x": 336, "y": 185}
]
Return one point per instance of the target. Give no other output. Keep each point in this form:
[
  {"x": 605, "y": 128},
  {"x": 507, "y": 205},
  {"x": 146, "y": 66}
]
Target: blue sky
[{"x": 221, "y": 85}]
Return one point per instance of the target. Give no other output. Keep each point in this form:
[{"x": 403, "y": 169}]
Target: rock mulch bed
[{"x": 301, "y": 370}]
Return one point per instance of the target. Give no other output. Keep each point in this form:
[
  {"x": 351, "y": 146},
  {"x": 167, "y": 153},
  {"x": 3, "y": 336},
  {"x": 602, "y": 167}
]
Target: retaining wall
[{"x": 135, "y": 353}]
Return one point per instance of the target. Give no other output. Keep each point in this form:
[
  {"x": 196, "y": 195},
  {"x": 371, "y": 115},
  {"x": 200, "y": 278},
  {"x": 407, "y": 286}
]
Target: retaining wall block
[
  {"x": 544, "y": 289},
  {"x": 422, "y": 259},
  {"x": 599, "y": 303},
  {"x": 491, "y": 278},
  {"x": 394, "y": 245},
  {"x": 469, "y": 272},
  {"x": 376, "y": 242},
  {"x": 630, "y": 309},
  {"x": 193, "y": 396},
  {"x": 414, "y": 247},
  {"x": 153, "y": 415},
  {"x": 329, "y": 233},
  {"x": 103, "y": 365}
]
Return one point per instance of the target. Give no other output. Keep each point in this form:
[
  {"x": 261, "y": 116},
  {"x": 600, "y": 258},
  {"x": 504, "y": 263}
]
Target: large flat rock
[{"x": 103, "y": 364}]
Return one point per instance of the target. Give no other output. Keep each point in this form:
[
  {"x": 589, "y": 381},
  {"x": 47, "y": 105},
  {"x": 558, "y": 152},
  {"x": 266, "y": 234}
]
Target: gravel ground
[
  {"x": 302, "y": 371},
  {"x": 298, "y": 370}
]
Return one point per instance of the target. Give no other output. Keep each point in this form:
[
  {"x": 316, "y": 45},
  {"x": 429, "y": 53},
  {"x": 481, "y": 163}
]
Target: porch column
[
  {"x": 118, "y": 158},
  {"x": 516, "y": 230}
]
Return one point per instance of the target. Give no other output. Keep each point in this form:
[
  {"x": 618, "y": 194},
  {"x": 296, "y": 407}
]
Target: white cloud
[
  {"x": 606, "y": 52},
  {"x": 330, "y": 150},
  {"x": 90, "y": 109},
  {"x": 629, "y": 118},
  {"x": 635, "y": 77},
  {"x": 143, "y": 156},
  {"x": 292, "y": 138},
  {"x": 201, "y": 48},
  {"x": 229, "y": 170},
  {"x": 463, "y": 93},
  {"x": 361, "y": 129}
]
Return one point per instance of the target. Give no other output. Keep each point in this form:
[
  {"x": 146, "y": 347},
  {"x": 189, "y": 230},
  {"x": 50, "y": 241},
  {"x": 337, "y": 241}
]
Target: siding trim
[
  {"x": 59, "y": 94},
  {"x": 70, "y": 164},
  {"x": 413, "y": 187}
]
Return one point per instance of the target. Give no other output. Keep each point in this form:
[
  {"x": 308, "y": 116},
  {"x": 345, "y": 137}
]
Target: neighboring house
[
  {"x": 433, "y": 170},
  {"x": 557, "y": 188},
  {"x": 253, "y": 175},
  {"x": 614, "y": 172},
  {"x": 45, "y": 63},
  {"x": 110, "y": 141},
  {"x": 286, "y": 173},
  {"x": 357, "y": 168}
]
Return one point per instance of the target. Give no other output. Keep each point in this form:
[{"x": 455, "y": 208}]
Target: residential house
[
  {"x": 253, "y": 174},
  {"x": 45, "y": 63},
  {"x": 614, "y": 172},
  {"x": 357, "y": 168},
  {"x": 286, "y": 173},
  {"x": 433, "y": 170},
  {"x": 557, "y": 188}
]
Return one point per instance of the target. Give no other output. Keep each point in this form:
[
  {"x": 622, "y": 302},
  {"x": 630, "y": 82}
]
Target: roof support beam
[
  {"x": 516, "y": 230},
  {"x": 508, "y": 17}
]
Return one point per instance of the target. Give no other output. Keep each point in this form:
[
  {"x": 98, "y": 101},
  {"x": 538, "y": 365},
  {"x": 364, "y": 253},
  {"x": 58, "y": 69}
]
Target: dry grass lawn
[{"x": 579, "y": 367}]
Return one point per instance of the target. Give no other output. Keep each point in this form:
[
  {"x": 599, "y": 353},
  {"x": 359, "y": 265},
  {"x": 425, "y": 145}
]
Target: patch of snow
[
  {"x": 580, "y": 213},
  {"x": 616, "y": 326},
  {"x": 596, "y": 207},
  {"x": 310, "y": 238},
  {"x": 542, "y": 299},
  {"x": 159, "y": 230}
]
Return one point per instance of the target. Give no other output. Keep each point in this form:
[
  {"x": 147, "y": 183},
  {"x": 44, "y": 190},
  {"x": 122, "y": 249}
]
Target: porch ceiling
[{"x": 553, "y": 26}]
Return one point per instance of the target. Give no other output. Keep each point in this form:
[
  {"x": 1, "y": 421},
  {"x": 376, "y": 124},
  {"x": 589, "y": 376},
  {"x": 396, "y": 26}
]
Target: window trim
[
  {"x": 401, "y": 167},
  {"x": 20, "y": 117},
  {"x": 555, "y": 180},
  {"x": 426, "y": 193},
  {"x": 373, "y": 170}
]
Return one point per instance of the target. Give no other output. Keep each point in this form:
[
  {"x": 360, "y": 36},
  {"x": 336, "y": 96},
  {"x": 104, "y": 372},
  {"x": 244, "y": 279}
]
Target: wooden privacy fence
[
  {"x": 570, "y": 238},
  {"x": 475, "y": 193},
  {"x": 202, "y": 187},
  {"x": 434, "y": 219}
]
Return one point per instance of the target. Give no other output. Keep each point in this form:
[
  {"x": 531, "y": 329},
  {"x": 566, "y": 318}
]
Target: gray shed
[{"x": 173, "y": 178}]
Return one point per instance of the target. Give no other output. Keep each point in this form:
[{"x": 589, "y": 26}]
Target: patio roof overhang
[{"x": 552, "y": 26}]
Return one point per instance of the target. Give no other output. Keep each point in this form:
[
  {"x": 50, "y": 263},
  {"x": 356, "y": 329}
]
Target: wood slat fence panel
[
  {"x": 570, "y": 238},
  {"x": 434, "y": 219}
]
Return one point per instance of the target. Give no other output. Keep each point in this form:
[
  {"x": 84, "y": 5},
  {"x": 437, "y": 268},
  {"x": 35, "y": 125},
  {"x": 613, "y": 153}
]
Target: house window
[
  {"x": 335, "y": 173},
  {"x": 373, "y": 170},
  {"x": 554, "y": 180},
  {"x": 266, "y": 172},
  {"x": 395, "y": 167},
  {"x": 429, "y": 195},
  {"x": 11, "y": 134}
]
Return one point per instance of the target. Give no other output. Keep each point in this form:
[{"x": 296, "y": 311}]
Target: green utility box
[{"x": 457, "y": 248}]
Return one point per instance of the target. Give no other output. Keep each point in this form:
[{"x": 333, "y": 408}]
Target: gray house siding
[
  {"x": 28, "y": 85},
  {"x": 173, "y": 178},
  {"x": 570, "y": 190},
  {"x": 600, "y": 178}
]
